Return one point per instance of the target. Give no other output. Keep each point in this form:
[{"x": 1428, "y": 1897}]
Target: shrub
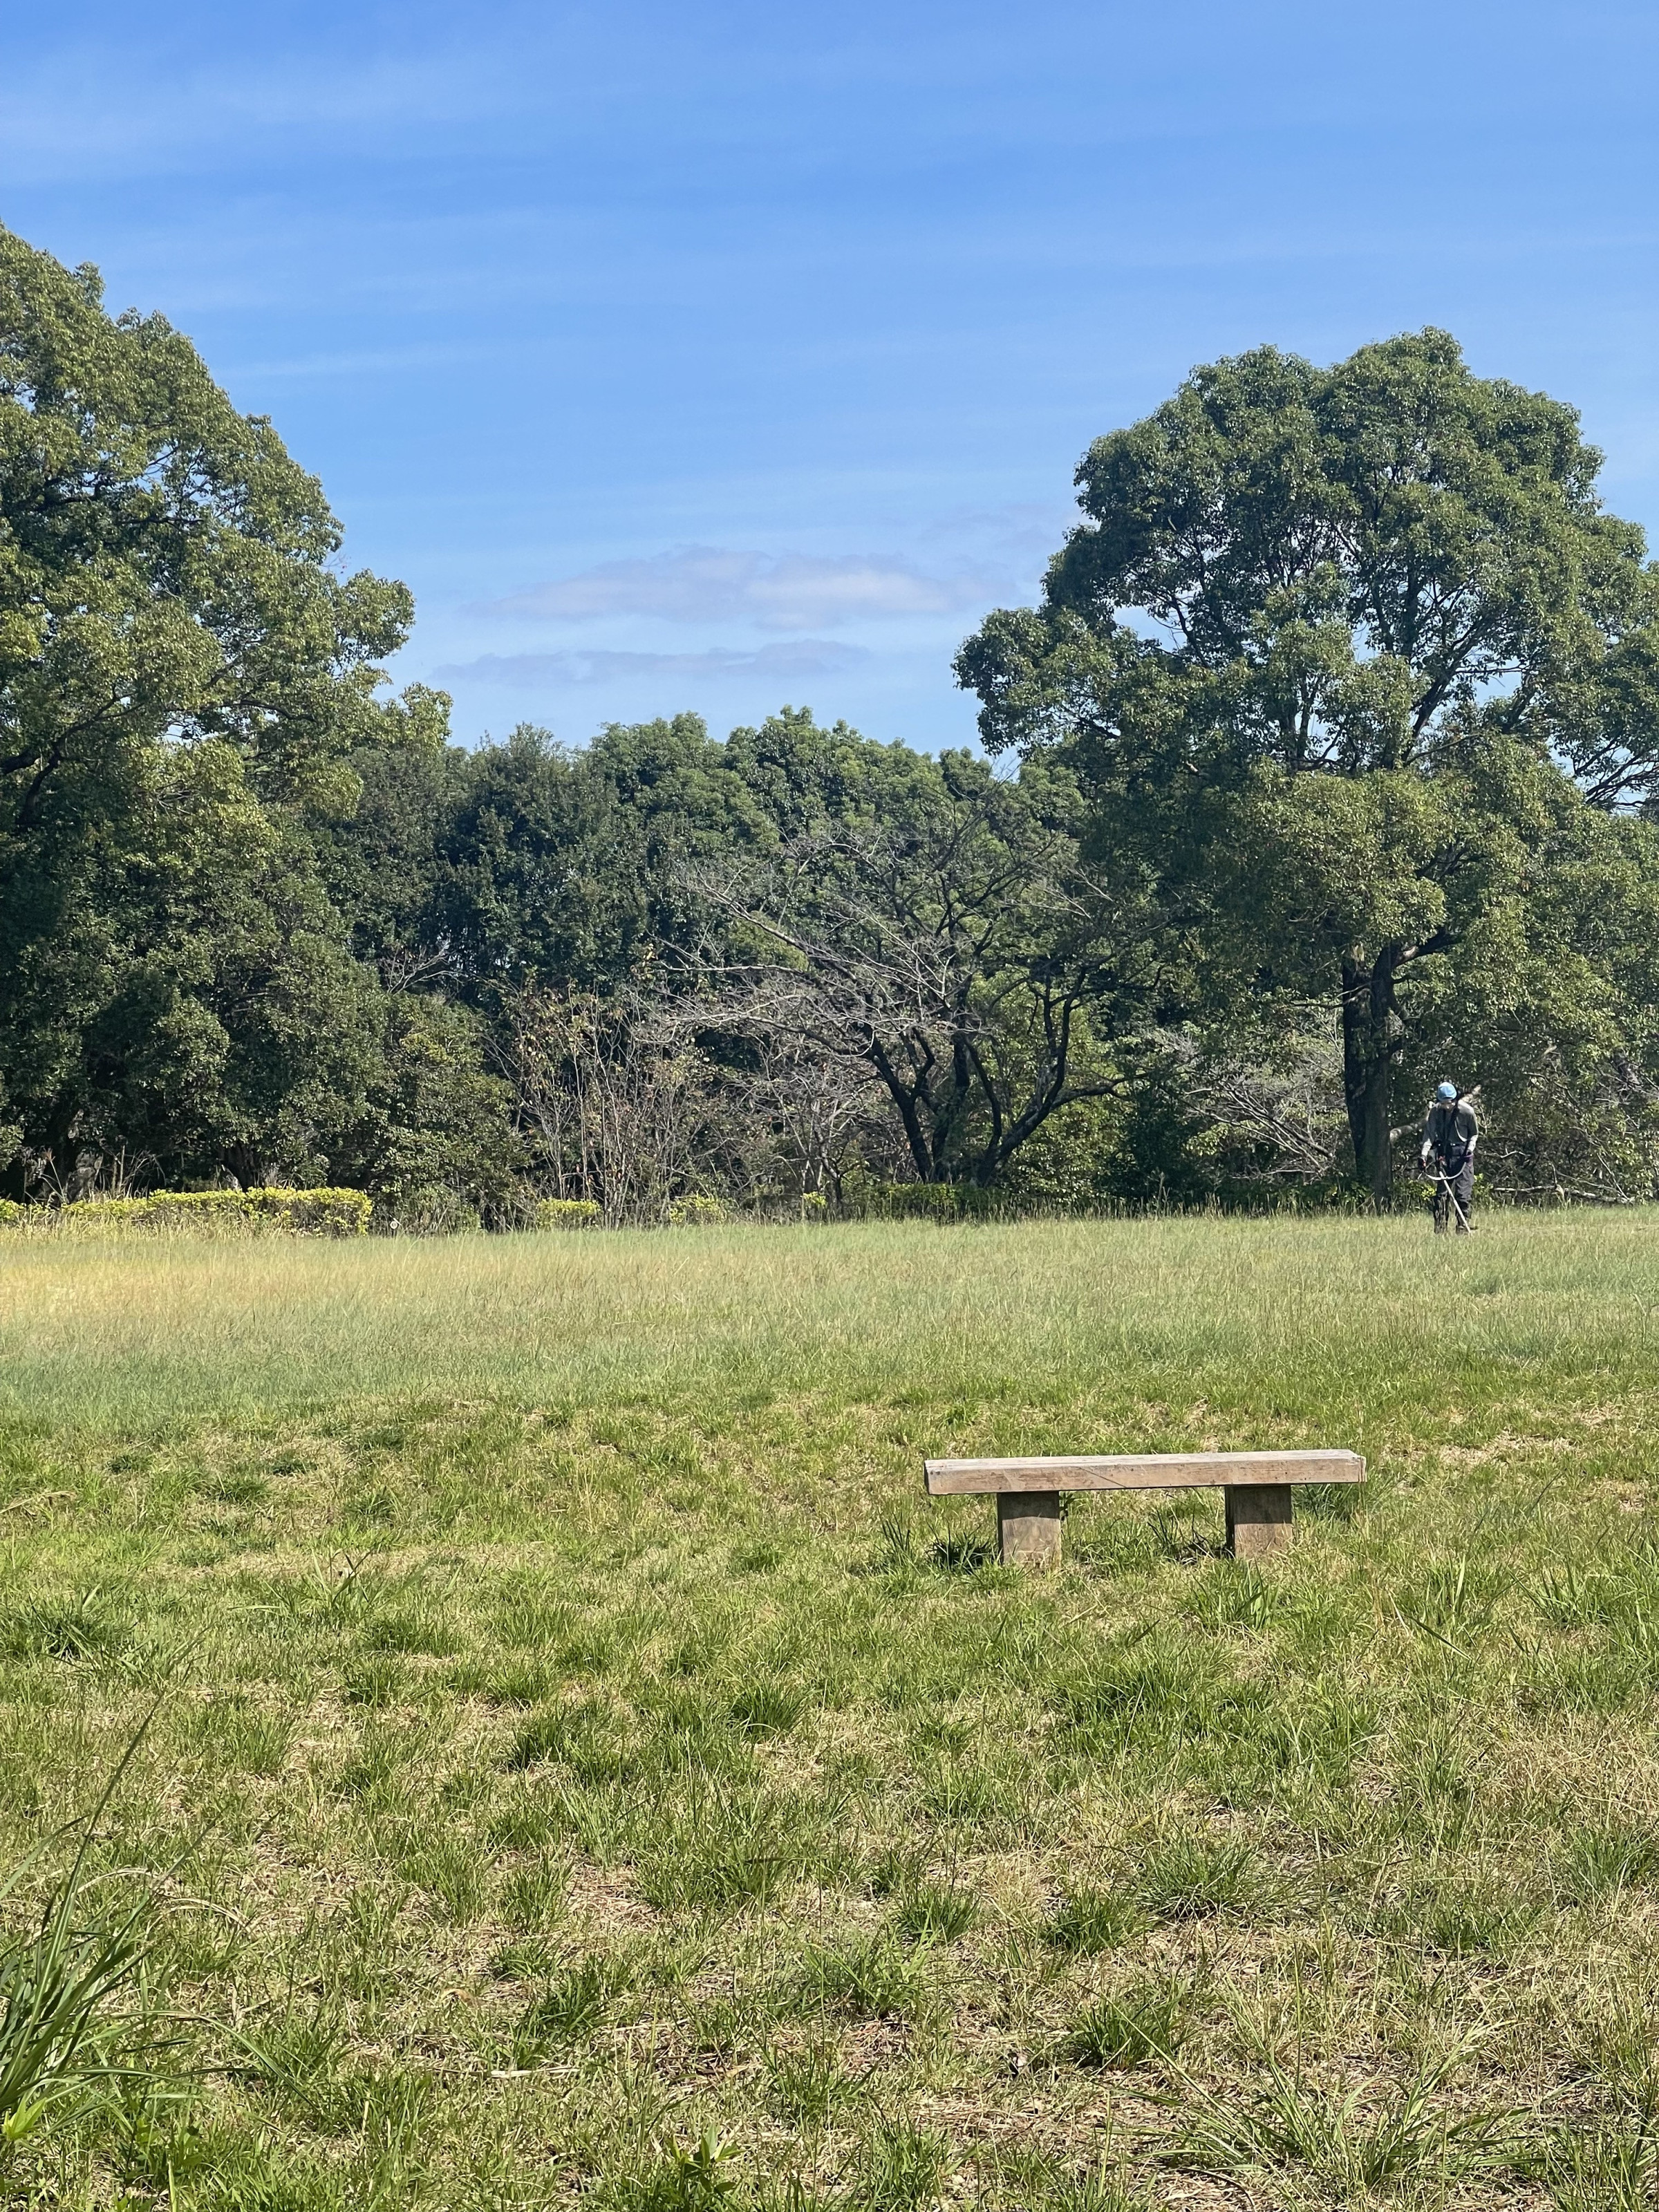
[
  {"x": 291, "y": 1212},
  {"x": 566, "y": 1214},
  {"x": 699, "y": 1210}
]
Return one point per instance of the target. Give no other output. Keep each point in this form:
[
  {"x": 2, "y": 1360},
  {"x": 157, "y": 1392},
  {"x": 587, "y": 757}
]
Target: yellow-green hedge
[
  {"x": 567, "y": 1212},
  {"x": 699, "y": 1210},
  {"x": 291, "y": 1212}
]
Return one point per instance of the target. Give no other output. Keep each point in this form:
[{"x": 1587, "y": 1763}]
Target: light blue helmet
[{"x": 1446, "y": 1090}]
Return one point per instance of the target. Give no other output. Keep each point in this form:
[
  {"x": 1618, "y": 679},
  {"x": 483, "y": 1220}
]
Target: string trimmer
[{"x": 1450, "y": 1188}]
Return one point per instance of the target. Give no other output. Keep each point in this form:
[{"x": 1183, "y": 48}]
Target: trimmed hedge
[
  {"x": 567, "y": 1212},
  {"x": 289, "y": 1213},
  {"x": 700, "y": 1210}
]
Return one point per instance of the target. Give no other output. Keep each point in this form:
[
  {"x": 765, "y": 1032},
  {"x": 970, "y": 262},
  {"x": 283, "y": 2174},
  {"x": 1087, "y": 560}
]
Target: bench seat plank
[{"x": 1139, "y": 1470}]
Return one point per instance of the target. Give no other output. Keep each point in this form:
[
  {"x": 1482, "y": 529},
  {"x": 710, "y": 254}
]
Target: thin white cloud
[
  {"x": 786, "y": 591},
  {"x": 109, "y": 106},
  {"x": 806, "y": 656}
]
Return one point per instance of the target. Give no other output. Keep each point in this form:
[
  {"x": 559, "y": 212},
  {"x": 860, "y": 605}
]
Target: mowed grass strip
[{"x": 588, "y": 1770}]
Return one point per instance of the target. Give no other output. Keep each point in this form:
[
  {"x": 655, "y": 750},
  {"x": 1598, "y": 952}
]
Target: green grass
[{"x": 587, "y": 1769}]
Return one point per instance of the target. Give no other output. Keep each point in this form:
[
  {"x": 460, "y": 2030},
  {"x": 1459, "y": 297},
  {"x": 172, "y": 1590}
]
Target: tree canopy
[
  {"x": 184, "y": 677},
  {"x": 1337, "y": 654},
  {"x": 1329, "y": 761}
]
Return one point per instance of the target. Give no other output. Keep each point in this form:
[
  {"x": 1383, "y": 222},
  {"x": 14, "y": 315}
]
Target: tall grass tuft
[
  {"x": 1147, "y": 2021},
  {"x": 1347, "y": 2142},
  {"x": 58, "y": 2030}
]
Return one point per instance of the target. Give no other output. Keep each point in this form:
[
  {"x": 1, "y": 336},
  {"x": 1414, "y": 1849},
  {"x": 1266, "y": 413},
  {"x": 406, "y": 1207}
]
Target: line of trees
[{"x": 1326, "y": 766}]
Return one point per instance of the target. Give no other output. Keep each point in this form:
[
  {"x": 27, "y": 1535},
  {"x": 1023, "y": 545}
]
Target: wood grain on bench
[{"x": 1140, "y": 1471}]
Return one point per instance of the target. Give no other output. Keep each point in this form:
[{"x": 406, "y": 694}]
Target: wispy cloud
[
  {"x": 804, "y": 656},
  {"x": 786, "y": 591},
  {"x": 72, "y": 108}
]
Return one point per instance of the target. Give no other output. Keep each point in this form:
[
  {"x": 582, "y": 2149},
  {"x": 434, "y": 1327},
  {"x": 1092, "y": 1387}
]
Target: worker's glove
[{"x": 1428, "y": 1153}]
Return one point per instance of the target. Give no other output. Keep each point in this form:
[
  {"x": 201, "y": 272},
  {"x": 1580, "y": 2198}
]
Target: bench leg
[
  {"x": 1028, "y": 1527},
  {"x": 1258, "y": 1518}
]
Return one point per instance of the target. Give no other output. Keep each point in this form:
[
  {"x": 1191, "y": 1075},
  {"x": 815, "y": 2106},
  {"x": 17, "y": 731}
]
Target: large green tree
[
  {"x": 184, "y": 677},
  {"x": 1329, "y": 648}
]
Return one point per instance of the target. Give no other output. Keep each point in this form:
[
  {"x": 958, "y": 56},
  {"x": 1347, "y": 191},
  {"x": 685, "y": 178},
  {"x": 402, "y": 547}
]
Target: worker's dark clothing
[{"x": 1448, "y": 1136}]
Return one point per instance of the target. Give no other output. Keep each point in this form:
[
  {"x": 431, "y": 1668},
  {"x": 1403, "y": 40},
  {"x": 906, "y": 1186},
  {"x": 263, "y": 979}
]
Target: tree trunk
[
  {"x": 1367, "y": 1065},
  {"x": 923, "y": 1155}
]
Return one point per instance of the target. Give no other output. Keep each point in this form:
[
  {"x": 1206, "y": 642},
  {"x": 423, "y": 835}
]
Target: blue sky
[{"x": 716, "y": 357}]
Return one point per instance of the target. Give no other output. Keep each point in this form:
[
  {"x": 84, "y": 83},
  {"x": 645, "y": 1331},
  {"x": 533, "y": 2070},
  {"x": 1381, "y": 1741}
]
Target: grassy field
[{"x": 586, "y": 1768}]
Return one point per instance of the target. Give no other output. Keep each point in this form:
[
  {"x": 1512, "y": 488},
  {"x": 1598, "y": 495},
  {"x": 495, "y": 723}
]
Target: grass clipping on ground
[{"x": 589, "y": 1769}]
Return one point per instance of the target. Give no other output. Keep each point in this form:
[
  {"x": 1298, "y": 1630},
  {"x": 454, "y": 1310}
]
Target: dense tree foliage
[
  {"x": 1336, "y": 652},
  {"x": 183, "y": 676},
  {"x": 1331, "y": 748}
]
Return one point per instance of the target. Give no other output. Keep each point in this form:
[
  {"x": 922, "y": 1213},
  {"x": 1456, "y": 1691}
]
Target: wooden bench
[{"x": 1257, "y": 1487}]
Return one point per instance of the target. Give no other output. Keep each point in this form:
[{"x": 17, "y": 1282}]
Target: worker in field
[{"x": 1450, "y": 1136}]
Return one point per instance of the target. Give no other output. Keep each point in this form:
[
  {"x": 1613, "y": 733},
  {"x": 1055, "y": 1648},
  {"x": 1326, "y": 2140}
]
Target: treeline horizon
[{"x": 1324, "y": 770}]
